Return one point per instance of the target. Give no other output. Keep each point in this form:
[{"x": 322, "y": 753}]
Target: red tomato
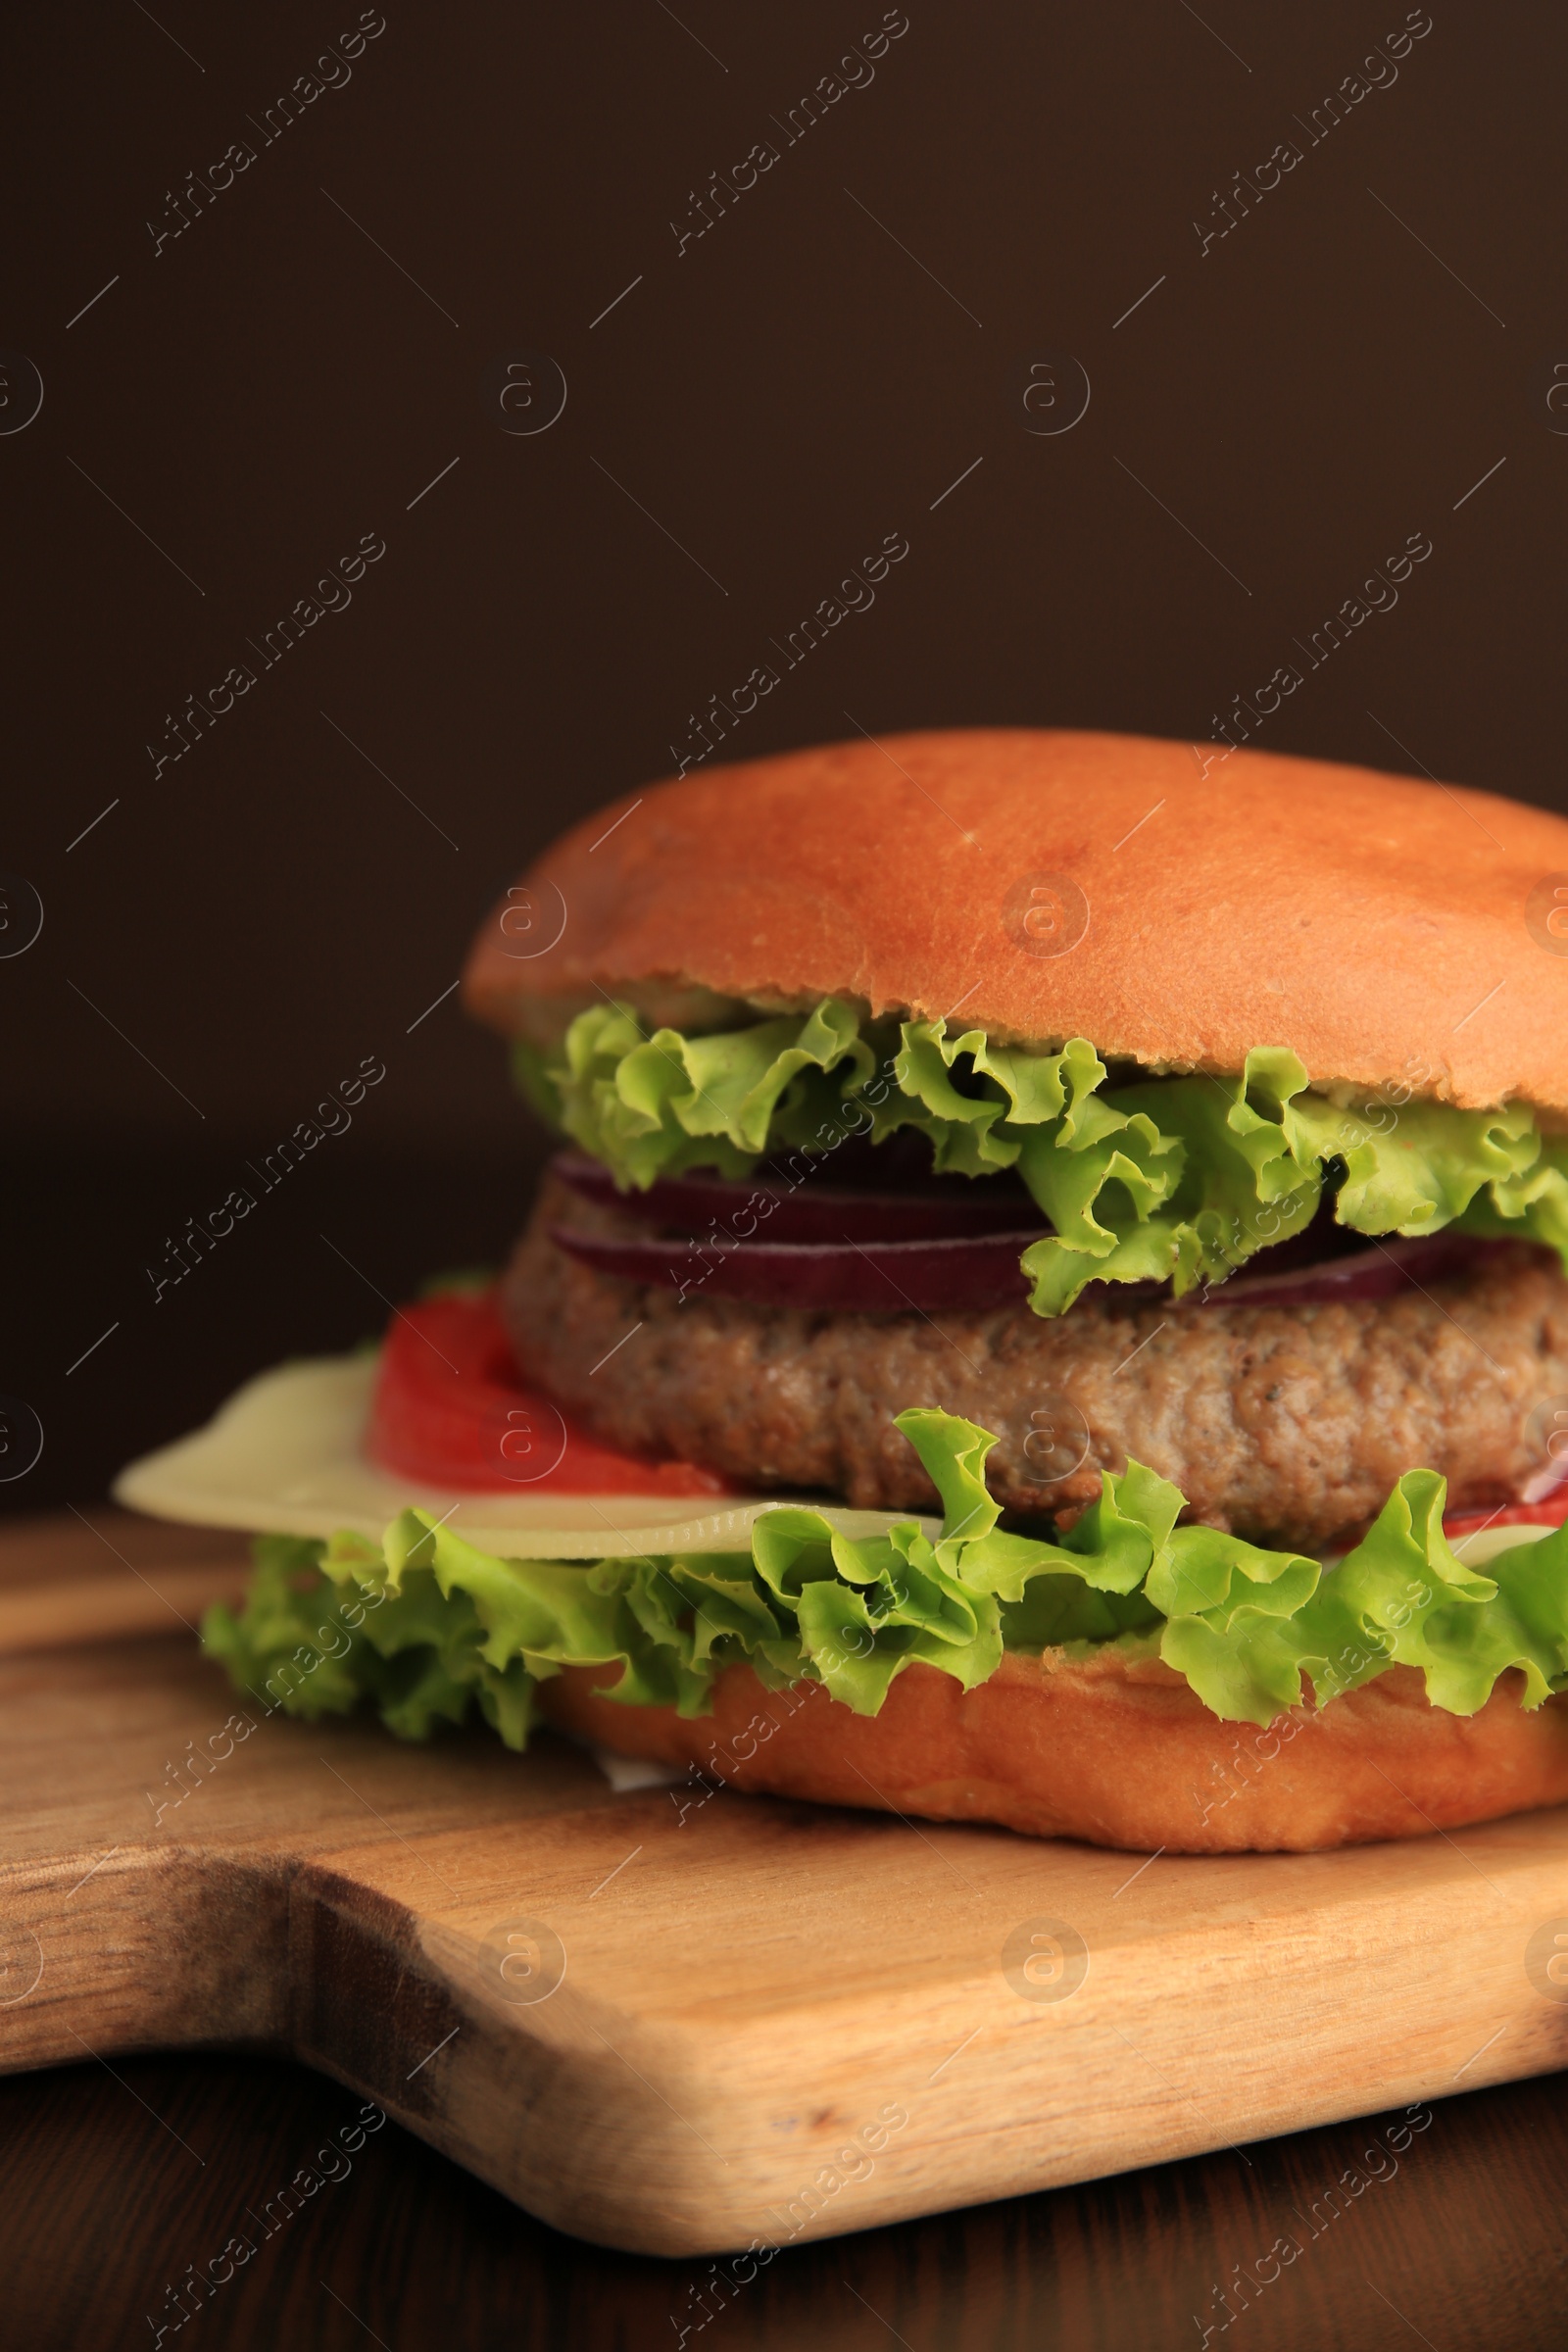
[
  {"x": 451, "y": 1410},
  {"x": 1550, "y": 1513}
]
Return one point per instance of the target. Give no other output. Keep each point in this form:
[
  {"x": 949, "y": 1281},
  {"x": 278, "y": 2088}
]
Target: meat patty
[{"x": 1286, "y": 1424}]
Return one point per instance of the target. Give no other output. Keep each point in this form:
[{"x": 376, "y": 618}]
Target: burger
[{"x": 1048, "y": 1308}]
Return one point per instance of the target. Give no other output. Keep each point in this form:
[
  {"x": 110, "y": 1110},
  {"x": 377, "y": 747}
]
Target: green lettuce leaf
[
  {"x": 1180, "y": 1179},
  {"x": 649, "y": 1106},
  {"x": 425, "y": 1628}
]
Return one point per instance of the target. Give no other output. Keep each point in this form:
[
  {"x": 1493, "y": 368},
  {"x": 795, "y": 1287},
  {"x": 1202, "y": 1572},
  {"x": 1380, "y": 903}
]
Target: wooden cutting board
[{"x": 683, "y": 2025}]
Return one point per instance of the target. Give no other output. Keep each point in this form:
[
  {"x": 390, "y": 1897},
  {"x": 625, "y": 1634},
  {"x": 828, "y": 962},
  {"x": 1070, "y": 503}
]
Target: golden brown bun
[
  {"x": 1116, "y": 1750},
  {"x": 1373, "y": 923}
]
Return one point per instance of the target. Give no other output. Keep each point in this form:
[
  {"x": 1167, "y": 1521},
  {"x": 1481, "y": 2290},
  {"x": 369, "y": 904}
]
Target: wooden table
[{"x": 104, "y": 2207}]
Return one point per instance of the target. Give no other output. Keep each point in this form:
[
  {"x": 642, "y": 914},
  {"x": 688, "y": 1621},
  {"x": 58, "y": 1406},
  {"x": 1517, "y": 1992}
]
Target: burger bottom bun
[{"x": 1114, "y": 1750}]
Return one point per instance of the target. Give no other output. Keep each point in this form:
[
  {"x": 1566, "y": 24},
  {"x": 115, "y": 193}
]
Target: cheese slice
[
  {"x": 1486, "y": 1542},
  {"x": 286, "y": 1456}
]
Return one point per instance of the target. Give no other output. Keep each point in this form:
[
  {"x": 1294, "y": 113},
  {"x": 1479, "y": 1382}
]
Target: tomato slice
[
  {"x": 1549, "y": 1513},
  {"x": 452, "y": 1409}
]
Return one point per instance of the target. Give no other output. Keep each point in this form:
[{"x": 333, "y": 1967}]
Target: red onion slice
[
  {"x": 877, "y": 1278},
  {"x": 824, "y": 1246},
  {"x": 762, "y": 1209},
  {"x": 1380, "y": 1272}
]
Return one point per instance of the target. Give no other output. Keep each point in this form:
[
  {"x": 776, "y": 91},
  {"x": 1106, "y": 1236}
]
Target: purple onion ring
[
  {"x": 825, "y": 1249},
  {"x": 764, "y": 1209},
  {"x": 933, "y": 1277}
]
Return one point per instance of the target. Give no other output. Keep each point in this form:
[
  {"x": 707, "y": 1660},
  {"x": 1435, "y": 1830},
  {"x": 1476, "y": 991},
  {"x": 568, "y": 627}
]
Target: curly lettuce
[
  {"x": 1178, "y": 1178},
  {"x": 428, "y": 1628}
]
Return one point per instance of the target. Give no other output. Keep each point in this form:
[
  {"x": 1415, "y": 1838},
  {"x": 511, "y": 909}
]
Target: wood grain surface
[
  {"x": 122, "y": 2184},
  {"x": 775, "y": 2023}
]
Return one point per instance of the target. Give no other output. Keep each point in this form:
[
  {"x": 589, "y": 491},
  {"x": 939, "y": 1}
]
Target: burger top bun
[{"x": 1175, "y": 903}]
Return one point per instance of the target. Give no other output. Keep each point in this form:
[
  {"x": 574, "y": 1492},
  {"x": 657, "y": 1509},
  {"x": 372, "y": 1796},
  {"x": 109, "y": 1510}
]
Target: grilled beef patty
[{"x": 1286, "y": 1424}]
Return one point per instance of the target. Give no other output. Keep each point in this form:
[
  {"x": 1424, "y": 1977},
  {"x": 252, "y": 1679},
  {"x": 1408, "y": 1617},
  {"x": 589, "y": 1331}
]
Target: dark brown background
[
  {"x": 800, "y": 381},
  {"x": 268, "y": 386}
]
